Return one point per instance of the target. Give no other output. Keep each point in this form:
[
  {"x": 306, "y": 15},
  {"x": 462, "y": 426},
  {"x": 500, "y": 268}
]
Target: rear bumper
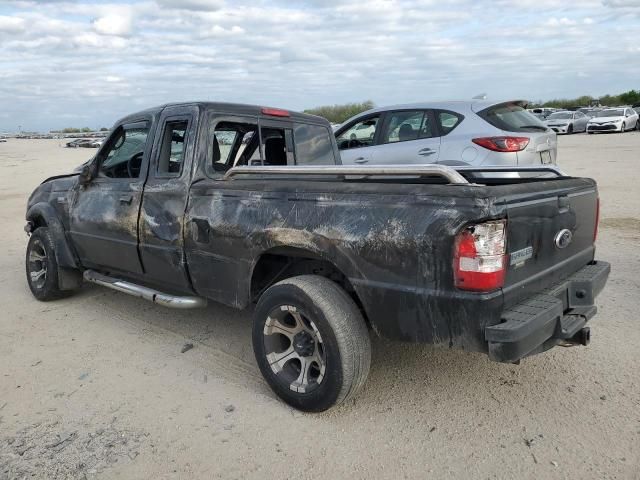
[{"x": 554, "y": 316}]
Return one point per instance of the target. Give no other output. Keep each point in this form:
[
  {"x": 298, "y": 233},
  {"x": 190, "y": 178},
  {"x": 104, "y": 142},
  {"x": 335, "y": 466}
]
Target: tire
[
  {"x": 623, "y": 128},
  {"x": 335, "y": 348},
  {"x": 570, "y": 129},
  {"x": 42, "y": 267}
]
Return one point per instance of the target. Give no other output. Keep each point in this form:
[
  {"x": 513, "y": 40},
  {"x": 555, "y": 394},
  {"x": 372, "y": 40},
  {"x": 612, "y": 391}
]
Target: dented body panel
[{"x": 391, "y": 242}]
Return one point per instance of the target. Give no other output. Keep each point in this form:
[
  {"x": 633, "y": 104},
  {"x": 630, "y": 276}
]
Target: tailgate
[
  {"x": 543, "y": 146},
  {"x": 550, "y": 235}
]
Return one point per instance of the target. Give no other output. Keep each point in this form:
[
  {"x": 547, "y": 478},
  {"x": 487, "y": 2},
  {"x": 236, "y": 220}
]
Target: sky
[{"x": 88, "y": 63}]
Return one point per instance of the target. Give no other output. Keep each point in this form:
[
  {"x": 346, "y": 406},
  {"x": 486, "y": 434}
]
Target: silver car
[
  {"x": 567, "y": 122},
  {"x": 474, "y": 133}
]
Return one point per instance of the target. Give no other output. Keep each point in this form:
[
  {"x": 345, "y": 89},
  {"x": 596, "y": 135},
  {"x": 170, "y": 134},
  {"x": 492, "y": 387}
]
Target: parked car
[
  {"x": 92, "y": 143},
  {"x": 450, "y": 133},
  {"x": 567, "y": 122},
  {"x": 79, "y": 142},
  {"x": 331, "y": 254},
  {"x": 618, "y": 119}
]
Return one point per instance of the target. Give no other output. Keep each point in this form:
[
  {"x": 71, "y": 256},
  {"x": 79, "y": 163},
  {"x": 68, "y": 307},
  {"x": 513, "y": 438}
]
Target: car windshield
[
  {"x": 611, "y": 113},
  {"x": 560, "y": 116}
]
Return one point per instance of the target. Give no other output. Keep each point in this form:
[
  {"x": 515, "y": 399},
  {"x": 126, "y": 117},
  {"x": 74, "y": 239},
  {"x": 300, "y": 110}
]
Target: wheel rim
[
  {"x": 37, "y": 264},
  {"x": 294, "y": 349}
]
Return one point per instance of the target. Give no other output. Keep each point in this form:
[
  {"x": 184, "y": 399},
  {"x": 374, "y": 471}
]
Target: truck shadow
[{"x": 401, "y": 374}]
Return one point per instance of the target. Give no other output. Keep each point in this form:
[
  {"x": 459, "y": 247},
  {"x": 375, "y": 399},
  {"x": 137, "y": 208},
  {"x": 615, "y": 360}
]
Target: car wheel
[
  {"x": 570, "y": 129},
  {"x": 623, "y": 128},
  {"x": 311, "y": 342},
  {"x": 42, "y": 267}
]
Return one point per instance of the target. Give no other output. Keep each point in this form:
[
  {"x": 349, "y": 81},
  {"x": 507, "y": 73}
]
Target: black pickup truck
[{"x": 242, "y": 204}]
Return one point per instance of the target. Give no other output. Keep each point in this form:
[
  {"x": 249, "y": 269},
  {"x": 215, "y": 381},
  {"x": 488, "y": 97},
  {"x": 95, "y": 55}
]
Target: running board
[{"x": 164, "y": 299}]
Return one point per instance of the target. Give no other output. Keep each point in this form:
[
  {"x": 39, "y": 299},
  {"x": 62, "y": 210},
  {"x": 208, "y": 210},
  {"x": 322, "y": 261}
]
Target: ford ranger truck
[{"x": 250, "y": 207}]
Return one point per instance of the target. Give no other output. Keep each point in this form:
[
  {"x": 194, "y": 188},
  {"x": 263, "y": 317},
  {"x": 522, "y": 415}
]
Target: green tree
[{"x": 340, "y": 113}]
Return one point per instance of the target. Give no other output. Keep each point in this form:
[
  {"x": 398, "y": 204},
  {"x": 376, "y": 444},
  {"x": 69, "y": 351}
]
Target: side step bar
[{"x": 164, "y": 299}]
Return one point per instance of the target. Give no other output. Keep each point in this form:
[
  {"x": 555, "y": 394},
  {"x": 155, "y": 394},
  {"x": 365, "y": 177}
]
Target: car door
[
  {"x": 407, "y": 137},
  {"x": 356, "y": 140},
  {"x": 632, "y": 118},
  {"x": 104, "y": 212},
  {"x": 165, "y": 197}
]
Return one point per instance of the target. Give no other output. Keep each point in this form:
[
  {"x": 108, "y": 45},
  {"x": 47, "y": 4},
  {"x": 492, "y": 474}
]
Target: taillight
[
  {"x": 595, "y": 229},
  {"x": 503, "y": 144},
  {"x": 479, "y": 257}
]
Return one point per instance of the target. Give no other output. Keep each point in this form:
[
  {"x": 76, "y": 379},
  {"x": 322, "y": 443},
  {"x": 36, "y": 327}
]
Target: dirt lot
[{"x": 96, "y": 386}]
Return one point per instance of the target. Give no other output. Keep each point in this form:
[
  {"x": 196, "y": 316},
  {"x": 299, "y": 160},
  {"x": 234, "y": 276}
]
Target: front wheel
[
  {"x": 311, "y": 342},
  {"x": 623, "y": 128},
  {"x": 42, "y": 267},
  {"x": 570, "y": 129}
]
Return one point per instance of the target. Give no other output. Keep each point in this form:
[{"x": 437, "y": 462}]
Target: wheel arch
[
  {"x": 282, "y": 262},
  {"x": 43, "y": 215}
]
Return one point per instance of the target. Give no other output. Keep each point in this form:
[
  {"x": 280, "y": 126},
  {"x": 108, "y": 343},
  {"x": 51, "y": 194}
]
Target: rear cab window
[
  {"x": 254, "y": 142},
  {"x": 511, "y": 117}
]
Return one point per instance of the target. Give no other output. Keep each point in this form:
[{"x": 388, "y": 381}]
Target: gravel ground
[{"x": 96, "y": 386}]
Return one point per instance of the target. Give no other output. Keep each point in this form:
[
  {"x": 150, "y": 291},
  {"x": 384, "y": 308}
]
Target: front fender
[{"x": 44, "y": 214}]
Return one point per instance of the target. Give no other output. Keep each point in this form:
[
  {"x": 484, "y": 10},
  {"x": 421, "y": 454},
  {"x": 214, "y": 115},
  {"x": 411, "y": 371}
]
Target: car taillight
[
  {"x": 595, "y": 229},
  {"x": 479, "y": 257},
  {"x": 503, "y": 144}
]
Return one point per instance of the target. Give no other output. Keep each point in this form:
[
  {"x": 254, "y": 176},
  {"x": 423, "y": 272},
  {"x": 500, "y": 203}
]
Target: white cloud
[
  {"x": 11, "y": 24},
  {"x": 118, "y": 23},
  {"x": 106, "y": 58},
  {"x": 196, "y": 5}
]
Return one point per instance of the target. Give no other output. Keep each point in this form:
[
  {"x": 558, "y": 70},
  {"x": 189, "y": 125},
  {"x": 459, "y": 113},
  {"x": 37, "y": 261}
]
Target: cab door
[
  {"x": 104, "y": 213},
  {"x": 165, "y": 199}
]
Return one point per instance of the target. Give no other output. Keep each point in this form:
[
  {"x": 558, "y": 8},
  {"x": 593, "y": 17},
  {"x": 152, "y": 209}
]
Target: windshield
[
  {"x": 560, "y": 116},
  {"x": 611, "y": 113}
]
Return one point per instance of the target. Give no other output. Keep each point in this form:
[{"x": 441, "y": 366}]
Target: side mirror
[{"x": 86, "y": 174}]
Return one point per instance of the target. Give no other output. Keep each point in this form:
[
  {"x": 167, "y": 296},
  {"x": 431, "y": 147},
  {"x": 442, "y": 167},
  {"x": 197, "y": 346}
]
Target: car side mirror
[{"x": 87, "y": 173}]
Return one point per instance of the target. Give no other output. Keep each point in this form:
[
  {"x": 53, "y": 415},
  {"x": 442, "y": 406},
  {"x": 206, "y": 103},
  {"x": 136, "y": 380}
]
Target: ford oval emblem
[{"x": 563, "y": 238}]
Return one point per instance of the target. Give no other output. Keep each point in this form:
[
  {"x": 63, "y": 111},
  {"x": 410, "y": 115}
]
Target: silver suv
[{"x": 450, "y": 133}]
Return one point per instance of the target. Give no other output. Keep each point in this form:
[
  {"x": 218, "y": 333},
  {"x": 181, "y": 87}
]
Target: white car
[
  {"x": 618, "y": 119},
  {"x": 567, "y": 122}
]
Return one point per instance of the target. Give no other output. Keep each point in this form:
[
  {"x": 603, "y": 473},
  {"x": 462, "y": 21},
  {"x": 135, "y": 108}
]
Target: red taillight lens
[
  {"x": 479, "y": 257},
  {"x": 595, "y": 229},
  {"x": 275, "y": 112},
  {"x": 503, "y": 144}
]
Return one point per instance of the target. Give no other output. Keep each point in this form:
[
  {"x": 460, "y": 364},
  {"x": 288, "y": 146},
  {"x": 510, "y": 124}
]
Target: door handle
[
  {"x": 126, "y": 199},
  {"x": 361, "y": 160},
  {"x": 426, "y": 152}
]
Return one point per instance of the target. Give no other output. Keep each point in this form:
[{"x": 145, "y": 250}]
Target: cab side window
[
  {"x": 123, "y": 157},
  {"x": 360, "y": 134},
  {"x": 172, "y": 149}
]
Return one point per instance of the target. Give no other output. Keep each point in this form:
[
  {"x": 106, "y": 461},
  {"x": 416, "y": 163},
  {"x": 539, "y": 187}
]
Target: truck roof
[{"x": 232, "y": 108}]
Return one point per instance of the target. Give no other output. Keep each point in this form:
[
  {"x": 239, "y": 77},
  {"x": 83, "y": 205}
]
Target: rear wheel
[
  {"x": 42, "y": 267},
  {"x": 311, "y": 342}
]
